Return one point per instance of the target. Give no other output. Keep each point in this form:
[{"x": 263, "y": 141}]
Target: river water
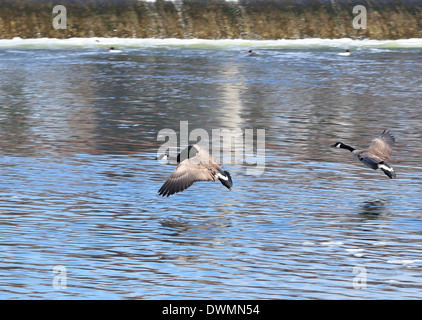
[{"x": 78, "y": 194}]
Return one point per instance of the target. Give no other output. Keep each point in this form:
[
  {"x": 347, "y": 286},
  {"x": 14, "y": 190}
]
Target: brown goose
[
  {"x": 375, "y": 156},
  {"x": 194, "y": 164}
]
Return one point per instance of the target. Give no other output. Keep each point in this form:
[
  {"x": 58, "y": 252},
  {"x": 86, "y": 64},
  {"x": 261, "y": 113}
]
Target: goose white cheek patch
[
  {"x": 222, "y": 177},
  {"x": 384, "y": 167}
]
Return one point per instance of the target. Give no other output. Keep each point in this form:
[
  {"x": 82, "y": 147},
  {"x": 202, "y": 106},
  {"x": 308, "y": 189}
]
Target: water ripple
[{"x": 79, "y": 183}]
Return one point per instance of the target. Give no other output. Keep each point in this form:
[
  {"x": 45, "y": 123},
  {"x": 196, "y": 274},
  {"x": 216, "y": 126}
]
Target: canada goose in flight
[
  {"x": 194, "y": 164},
  {"x": 375, "y": 156},
  {"x": 346, "y": 53}
]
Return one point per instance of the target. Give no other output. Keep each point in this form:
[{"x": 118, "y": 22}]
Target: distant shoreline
[
  {"x": 212, "y": 19},
  {"x": 98, "y": 42}
]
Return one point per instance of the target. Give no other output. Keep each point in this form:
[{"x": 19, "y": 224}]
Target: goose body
[
  {"x": 194, "y": 164},
  {"x": 346, "y": 53},
  {"x": 376, "y": 155}
]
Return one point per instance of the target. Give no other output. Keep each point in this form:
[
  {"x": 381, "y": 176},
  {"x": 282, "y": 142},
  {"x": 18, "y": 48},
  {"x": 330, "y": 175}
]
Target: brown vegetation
[{"x": 211, "y": 19}]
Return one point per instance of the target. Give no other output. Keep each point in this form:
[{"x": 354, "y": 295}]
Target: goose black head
[
  {"x": 337, "y": 145},
  {"x": 341, "y": 145},
  {"x": 226, "y": 180},
  {"x": 162, "y": 157}
]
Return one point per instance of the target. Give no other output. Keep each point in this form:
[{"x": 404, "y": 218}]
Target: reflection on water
[
  {"x": 79, "y": 183},
  {"x": 374, "y": 208}
]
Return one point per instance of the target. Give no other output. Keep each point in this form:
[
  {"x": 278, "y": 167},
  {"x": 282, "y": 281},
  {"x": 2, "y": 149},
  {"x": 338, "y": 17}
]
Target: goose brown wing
[
  {"x": 186, "y": 173},
  {"x": 382, "y": 145}
]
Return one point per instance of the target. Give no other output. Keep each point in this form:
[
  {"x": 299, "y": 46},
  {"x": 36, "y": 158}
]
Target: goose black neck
[
  {"x": 187, "y": 153},
  {"x": 345, "y": 146}
]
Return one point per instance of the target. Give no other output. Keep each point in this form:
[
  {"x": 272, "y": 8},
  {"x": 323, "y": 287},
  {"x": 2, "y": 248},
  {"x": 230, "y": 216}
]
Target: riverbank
[{"x": 212, "y": 19}]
